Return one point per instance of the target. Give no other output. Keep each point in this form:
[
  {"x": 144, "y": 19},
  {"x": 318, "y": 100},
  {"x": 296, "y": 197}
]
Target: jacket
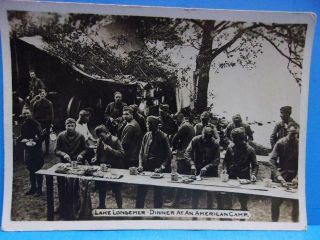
[
  {"x": 131, "y": 140},
  {"x": 203, "y": 154},
  {"x": 239, "y": 160},
  {"x": 161, "y": 150}
]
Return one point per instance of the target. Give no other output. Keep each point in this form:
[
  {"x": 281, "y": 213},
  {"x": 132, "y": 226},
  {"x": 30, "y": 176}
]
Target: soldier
[
  {"x": 43, "y": 113},
  {"x": 180, "y": 142},
  {"x": 205, "y": 117},
  {"x": 281, "y": 128},
  {"x": 131, "y": 139},
  {"x": 155, "y": 155},
  {"x": 239, "y": 159},
  {"x": 35, "y": 84},
  {"x": 284, "y": 166},
  {"x": 237, "y": 123},
  {"x": 31, "y": 130},
  {"x": 71, "y": 146},
  {"x": 109, "y": 151},
  {"x": 139, "y": 118},
  {"x": 168, "y": 125},
  {"x": 203, "y": 155},
  {"x": 113, "y": 113}
]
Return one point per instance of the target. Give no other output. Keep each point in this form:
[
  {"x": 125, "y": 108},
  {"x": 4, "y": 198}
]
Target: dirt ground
[{"x": 30, "y": 208}]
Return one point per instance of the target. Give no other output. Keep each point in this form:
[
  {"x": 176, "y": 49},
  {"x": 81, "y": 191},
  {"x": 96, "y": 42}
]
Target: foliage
[{"x": 218, "y": 45}]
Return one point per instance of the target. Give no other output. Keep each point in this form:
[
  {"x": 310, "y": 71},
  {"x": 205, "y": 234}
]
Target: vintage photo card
[{"x": 132, "y": 117}]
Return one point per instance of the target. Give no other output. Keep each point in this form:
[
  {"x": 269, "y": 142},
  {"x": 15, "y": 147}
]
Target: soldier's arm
[
  {"x": 249, "y": 132},
  {"x": 216, "y": 134},
  {"x": 142, "y": 150},
  {"x": 274, "y": 159},
  {"x": 254, "y": 163},
  {"x": 168, "y": 154},
  {"x": 274, "y": 135},
  {"x": 58, "y": 149},
  {"x": 128, "y": 137},
  {"x": 188, "y": 153},
  {"x": 117, "y": 151},
  {"x": 227, "y": 133},
  {"x": 178, "y": 136}
]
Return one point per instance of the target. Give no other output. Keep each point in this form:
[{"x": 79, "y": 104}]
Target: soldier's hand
[
  {"x": 79, "y": 158},
  {"x": 157, "y": 170},
  {"x": 93, "y": 160},
  {"x": 107, "y": 147},
  {"x": 253, "y": 178},
  {"x": 203, "y": 171},
  {"x": 193, "y": 170},
  {"x": 140, "y": 169},
  {"x": 295, "y": 182},
  {"x": 67, "y": 157}
]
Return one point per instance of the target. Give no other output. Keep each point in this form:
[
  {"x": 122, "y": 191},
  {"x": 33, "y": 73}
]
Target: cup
[
  {"x": 74, "y": 164},
  {"x": 224, "y": 177},
  {"x": 174, "y": 177},
  {"x": 267, "y": 182},
  {"x": 133, "y": 171},
  {"x": 103, "y": 167}
]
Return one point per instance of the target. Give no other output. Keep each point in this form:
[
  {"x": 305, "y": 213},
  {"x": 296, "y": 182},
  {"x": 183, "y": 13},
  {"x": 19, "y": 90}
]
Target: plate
[
  {"x": 30, "y": 143},
  {"x": 244, "y": 181},
  {"x": 156, "y": 175}
]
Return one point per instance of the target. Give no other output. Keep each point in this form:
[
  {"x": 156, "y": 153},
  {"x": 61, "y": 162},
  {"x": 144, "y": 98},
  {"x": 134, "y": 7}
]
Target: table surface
[{"x": 206, "y": 184}]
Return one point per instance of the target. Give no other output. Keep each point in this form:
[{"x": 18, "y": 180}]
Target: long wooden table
[{"x": 206, "y": 184}]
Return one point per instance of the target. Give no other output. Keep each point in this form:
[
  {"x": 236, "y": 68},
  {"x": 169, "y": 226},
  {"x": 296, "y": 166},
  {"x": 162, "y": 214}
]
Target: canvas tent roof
[{"x": 40, "y": 44}]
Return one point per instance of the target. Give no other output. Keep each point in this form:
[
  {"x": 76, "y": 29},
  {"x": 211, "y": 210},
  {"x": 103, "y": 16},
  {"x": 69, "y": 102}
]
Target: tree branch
[
  {"x": 197, "y": 22},
  {"x": 277, "y": 48}
]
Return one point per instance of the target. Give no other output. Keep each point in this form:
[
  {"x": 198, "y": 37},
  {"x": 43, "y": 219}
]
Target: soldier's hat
[
  {"x": 129, "y": 109},
  {"x": 153, "y": 119}
]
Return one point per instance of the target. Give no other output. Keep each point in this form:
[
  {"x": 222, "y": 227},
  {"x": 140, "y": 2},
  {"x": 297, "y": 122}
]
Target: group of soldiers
[{"x": 160, "y": 143}]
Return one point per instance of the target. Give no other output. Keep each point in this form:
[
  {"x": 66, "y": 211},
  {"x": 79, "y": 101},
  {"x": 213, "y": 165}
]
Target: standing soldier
[
  {"x": 203, "y": 155},
  {"x": 284, "y": 166},
  {"x": 109, "y": 151},
  {"x": 32, "y": 137},
  {"x": 71, "y": 146},
  {"x": 139, "y": 118},
  {"x": 168, "y": 125},
  {"x": 155, "y": 155},
  {"x": 205, "y": 117},
  {"x": 237, "y": 123},
  {"x": 239, "y": 159},
  {"x": 113, "y": 112},
  {"x": 180, "y": 142},
  {"x": 43, "y": 113},
  {"x": 281, "y": 128},
  {"x": 35, "y": 84},
  {"x": 131, "y": 139},
  {"x": 82, "y": 126}
]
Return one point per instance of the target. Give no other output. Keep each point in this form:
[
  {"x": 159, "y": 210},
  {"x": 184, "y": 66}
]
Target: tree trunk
[{"x": 203, "y": 63}]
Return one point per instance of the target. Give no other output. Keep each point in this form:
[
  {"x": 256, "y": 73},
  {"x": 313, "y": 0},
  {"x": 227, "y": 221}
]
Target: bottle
[{"x": 174, "y": 172}]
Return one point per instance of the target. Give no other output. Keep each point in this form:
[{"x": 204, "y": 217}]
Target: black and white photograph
[{"x": 145, "y": 118}]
